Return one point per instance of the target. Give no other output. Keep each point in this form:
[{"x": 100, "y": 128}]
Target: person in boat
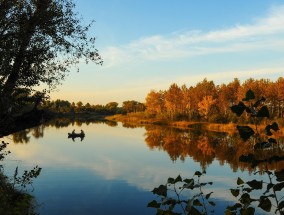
[
  {"x": 73, "y": 132},
  {"x": 82, "y": 132}
]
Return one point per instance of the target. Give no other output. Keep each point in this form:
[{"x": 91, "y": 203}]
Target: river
[{"x": 115, "y": 167}]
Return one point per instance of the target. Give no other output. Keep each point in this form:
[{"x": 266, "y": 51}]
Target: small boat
[{"x": 74, "y": 134}]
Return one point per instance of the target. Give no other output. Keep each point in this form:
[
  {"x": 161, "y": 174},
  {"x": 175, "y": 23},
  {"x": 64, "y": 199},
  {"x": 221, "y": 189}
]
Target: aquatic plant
[
  {"x": 14, "y": 197},
  {"x": 183, "y": 196}
]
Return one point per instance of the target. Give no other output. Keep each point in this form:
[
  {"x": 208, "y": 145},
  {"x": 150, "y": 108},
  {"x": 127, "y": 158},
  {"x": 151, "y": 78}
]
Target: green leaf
[
  {"x": 245, "y": 132},
  {"x": 280, "y": 175},
  {"x": 278, "y": 187},
  {"x": 235, "y": 192},
  {"x": 171, "y": 181},
  {"x": 188, "y": 180},
  {"x": 247, "y": 211},
  {"x": 273, "y": 126},
  {"x": 194, "y": 211},
  {"x": 256, "y": 185},
  {"x": 208, "y": 195},
  {"x": 263, "y": 112},
  {"x": 240, "y": 181},
  {"x": 245, "y": 199},
  {"x": 196, "y": 202},
  {"x": 249, "y": 95},
  {"x": 154, "y": 204},
  {"x": 170, "y": 201},
  {"x": 189, "y": 183},
  {"x": 239, "y": 108},
  {"x": 265, "y": 203},
  {"x": 161, "y": 190},
  {"x": 281, "y": 205},
  {"x": 178, "y": 179},
  {"x": 198, "y": 173}
]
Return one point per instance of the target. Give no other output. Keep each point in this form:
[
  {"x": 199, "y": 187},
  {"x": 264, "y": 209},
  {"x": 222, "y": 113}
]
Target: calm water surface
[{"x": 114, "y": 168}]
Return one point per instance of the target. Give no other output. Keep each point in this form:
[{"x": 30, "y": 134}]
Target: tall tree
[
  {"x": 40, "y": 41},
  {"x": 205, "y": 107},
  {"x": 155, "y": 102},
  {"x": 173, "y": 100}
]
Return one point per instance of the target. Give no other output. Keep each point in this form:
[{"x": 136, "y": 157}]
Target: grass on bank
[{"x": 142, "y": 119}]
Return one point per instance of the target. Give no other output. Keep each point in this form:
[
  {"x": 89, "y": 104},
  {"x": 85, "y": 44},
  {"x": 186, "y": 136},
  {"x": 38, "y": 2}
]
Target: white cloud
[
  {"x": 267, "y": 32},
  {"x": 224, "y": 77}
]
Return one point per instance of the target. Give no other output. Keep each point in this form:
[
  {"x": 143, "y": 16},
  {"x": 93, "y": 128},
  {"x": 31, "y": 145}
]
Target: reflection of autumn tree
[
  {"x": 154, "y": 138},
  {"x": 204, "y": 147},
  {"x": 174, "y": 142}
]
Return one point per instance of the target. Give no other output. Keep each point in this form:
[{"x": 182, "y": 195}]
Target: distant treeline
[
  {"x": 65, "y": 107},
  {"x": 209, "y": 102},
  {"x": 203, "y": 102}
]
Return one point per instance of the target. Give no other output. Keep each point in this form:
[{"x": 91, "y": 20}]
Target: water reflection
[
  {"x": 24, "y": 136},
  {"x": 205, "y": 147},
  {"x": 200, "y": 145},
  {"x": 115, "y": 163}
]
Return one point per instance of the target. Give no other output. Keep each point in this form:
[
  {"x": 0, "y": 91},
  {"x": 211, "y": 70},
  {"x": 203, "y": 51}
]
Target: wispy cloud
[
  {"x": 262, "y": 33},
  {"x": 223, "y": 77}
]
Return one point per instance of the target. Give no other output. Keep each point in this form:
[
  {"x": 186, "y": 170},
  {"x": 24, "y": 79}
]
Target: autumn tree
[
  {"x": 112, "y": 106},
  {"x": 40, "y": 41},
  {"x": 173, "y": 98},
  {"x": 280, "y": 95},
  {"x": 79, "y": 106},
  {"x": 155, "y": 102},
  {"x": 202, "y": 89},
  {"x": 228, "y": 96},
  {"x": 132, "y": 106},
  {"x": 205, "y": 107}
]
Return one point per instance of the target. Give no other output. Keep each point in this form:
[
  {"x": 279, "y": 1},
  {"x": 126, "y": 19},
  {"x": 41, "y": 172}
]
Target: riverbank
[{"x": 136, "y": 119}]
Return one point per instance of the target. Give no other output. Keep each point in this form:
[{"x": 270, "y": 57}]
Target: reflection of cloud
[{"x": 264, "y": 33}]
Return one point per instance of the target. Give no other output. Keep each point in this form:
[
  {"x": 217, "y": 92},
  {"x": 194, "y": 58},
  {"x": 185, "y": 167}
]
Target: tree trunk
[{"x": 10, "y": 84}]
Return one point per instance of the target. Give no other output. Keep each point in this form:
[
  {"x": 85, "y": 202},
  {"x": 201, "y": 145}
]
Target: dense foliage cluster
[
  {"x": 40, "y": 41},
  {"x": 209, "y": 102},
  {"x": 14, "y": 196}
]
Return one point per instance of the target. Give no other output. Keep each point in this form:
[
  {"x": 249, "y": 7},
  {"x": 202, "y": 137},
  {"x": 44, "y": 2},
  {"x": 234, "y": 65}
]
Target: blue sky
[{"x": 151, "y": 44}]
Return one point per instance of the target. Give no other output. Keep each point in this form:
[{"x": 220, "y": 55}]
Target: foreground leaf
[
  {"x": 265, "y": 203},
  {"x": 161, "y": 190},
  {"x": 249, "y": 95},
  {"x": 154, "y": 204},
  {"x": 263, "y": 112},
  {"x": 240, "y": 181},
  {"x": 257, "y": 185},
  {"x": 238, "y": 109},
  {"x": 235, "y": 192},
  {"x": 245, "y": 132}
]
